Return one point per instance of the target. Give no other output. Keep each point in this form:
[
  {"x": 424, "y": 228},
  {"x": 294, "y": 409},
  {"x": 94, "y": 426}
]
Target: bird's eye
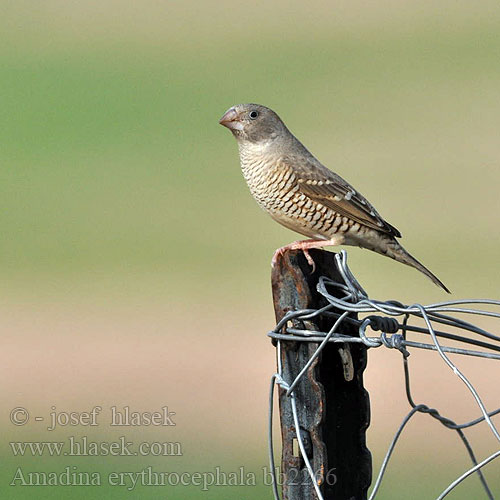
[{"x": 253, "y": 115}]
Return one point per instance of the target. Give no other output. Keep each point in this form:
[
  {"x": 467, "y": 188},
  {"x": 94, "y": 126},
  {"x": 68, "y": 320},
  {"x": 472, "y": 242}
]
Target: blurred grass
[
  {"x": 114, "y": 162},
  {"x": 117, "y": 181}
]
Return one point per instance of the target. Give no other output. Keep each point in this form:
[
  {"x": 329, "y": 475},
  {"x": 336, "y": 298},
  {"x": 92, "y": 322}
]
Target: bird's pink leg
[{"x": 305, "y": 246}]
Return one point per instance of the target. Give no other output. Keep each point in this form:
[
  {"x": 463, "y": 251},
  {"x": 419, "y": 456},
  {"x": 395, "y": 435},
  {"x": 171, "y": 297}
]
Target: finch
[{"x": 300, "y": 193}]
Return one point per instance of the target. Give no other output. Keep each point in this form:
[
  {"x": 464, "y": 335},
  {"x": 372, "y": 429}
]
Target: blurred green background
[{"x": 134, "y": 262}]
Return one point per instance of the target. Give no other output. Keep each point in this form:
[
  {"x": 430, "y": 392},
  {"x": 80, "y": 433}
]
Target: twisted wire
[{"x": 393, "y": 335}]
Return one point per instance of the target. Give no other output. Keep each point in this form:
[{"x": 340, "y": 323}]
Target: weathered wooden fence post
[{"x": 332, "y": 404}]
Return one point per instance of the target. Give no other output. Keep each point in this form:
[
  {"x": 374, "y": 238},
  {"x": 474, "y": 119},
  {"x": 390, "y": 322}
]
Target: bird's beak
[{"x": 230, "y": 120}]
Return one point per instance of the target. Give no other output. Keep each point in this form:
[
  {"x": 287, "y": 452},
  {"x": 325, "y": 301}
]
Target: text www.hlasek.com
[{"x": 83, "y": 447}]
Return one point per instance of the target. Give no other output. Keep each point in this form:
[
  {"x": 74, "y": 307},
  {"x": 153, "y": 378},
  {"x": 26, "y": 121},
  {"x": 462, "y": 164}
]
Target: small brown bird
[{"x": 297, "y": 191}]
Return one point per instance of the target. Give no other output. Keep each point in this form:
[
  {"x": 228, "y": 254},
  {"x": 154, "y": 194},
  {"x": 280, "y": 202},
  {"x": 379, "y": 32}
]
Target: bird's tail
[{"x": 394, "y": 250}]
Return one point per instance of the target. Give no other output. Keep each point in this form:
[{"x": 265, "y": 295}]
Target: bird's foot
[
  {"x": 305, "y": 246},
  {"x": 309, "y": 259}
]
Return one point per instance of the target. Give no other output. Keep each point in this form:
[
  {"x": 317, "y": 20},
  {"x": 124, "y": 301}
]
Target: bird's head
[{"x": 253, "y": 123}]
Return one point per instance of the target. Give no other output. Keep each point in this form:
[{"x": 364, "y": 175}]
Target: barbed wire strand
[
  {"x": 387, "y": 457},
  {"x": 316, "y": 353},
  {"x": 467, "y": 474},
  {"x": 356, "y": 300},
  {"x": 460, "y": 375},
  {"x": 277, "y": 378},
  {"x": 443, "y": 420}
]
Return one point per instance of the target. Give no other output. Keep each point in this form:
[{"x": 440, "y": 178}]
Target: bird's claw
[
  {"x": 309, "y": 259},
  {"x": 281, "y": 251}
]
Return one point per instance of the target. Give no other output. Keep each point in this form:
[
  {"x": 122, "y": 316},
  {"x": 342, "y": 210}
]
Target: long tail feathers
[{"x": 397, "y": 252}]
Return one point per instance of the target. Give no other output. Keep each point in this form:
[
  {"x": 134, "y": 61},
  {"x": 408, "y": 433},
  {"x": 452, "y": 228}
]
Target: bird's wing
[{"x": 326, "y": 187}]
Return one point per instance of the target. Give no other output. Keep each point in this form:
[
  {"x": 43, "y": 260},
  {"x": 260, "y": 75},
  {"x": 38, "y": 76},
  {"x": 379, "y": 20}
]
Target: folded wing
[{"x": 324, "y": 186}]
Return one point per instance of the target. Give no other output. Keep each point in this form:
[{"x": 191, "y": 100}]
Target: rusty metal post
[{"x": 333, "y": 406}]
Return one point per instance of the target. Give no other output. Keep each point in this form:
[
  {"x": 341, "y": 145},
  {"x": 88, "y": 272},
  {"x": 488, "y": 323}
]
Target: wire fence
[{"x": 394, "y": 321}]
